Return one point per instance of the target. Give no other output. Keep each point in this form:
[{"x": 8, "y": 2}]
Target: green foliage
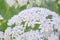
[
  {"x": 36, "y": 26},
  {"x": 49, "y": 17}
]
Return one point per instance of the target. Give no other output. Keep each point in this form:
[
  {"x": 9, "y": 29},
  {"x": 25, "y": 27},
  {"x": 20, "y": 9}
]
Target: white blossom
[
  {"x": 31, "y": 35},
  {"x": 53, "y": 37},
  {"x": 49, "y": 24},
  {"x": 7, "y": 34},
  {"x": 10, "y": 2},
  {"x": 22, "y": 2},
  {"x": 29, "y": 6},
  {"x": 1, "y": 34},
  {"x": 38, "y": 2},
  {"x": 34, "y": 2}
]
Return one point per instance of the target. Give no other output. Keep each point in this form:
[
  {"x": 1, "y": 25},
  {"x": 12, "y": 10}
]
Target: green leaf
[
  {"x": 36, "y": 27},
  {"x": 49, "y": 17}
]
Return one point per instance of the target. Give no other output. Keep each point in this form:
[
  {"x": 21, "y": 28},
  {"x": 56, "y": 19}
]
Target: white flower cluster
[
  {"x": 35, "y": 16},
  {"x": 34, "y": 24},
  {"x": 10, "y": 2},
  {"x": 20, "y": 3},
  {"x": 8, "y": 33},
  {"x": 33, "y": 3},
  {"x": 31, "y": 35},
  {"x": 1, "y": 35},
  {"x": 16, "y": 2}
]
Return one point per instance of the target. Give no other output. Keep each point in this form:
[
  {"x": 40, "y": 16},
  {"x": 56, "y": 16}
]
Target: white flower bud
[
  {"x": 10, "y": 2},
  {"x": 22, "y": 2}
]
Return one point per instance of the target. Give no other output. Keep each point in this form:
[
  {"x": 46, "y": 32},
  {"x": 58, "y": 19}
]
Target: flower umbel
[{"x": 35, "y": 24}]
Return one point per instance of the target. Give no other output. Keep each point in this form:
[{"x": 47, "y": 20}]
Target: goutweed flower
[
  {"x": 16, "y": 2},
  {"x": 10, "y": 2},
  {"x": 1, "y": 35},
  {"x": 22, "y": 2},
  {"x": 7, "y": 34},
  {"x": 34, "y": 24}
]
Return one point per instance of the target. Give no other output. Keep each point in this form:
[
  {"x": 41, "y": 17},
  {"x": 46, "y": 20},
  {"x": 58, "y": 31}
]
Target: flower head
[
  {"x": 22, "y": 2},
  {"x": 35, "y": 24},
  {"x": 10, "y": 2}
]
